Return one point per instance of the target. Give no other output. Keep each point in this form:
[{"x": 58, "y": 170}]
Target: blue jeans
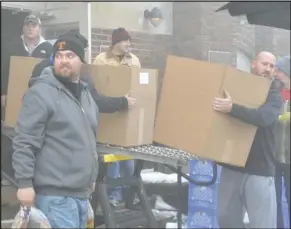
[
  {"x": 116, "y": 170},
  {"x": 64, "y": 212}
]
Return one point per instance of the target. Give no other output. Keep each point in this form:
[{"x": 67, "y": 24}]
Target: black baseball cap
[{"x": 33, "y": 19}]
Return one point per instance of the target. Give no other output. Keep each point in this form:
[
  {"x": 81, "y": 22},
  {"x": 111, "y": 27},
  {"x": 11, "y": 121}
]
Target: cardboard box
[
  {"x": 19, "y": 76},
  {"x": 128, "y": 128},
  {"x": 185, "y": 117},
  {"x": 135, "y": 126}
]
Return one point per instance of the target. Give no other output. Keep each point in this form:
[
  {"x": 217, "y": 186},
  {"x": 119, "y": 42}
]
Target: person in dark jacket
[
  {"x": 252, "y": 188},
  {"x": 105, "y": 104},
  {"x": 31, "y": 43},
  {"x": 283, "y": 140}
]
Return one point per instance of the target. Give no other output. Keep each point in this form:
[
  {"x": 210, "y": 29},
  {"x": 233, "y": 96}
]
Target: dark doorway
[
  {"x": 11, "y": 25},
  {"x": 11, "y": 29}
]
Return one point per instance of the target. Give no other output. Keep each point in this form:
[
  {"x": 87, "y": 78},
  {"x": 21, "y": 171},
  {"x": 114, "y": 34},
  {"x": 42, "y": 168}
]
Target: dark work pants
[{"x": 282, "y": 171}]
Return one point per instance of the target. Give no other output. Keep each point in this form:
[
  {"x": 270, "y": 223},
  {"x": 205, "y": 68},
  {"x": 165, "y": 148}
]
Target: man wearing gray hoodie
[{"x": 55, "y": 156}]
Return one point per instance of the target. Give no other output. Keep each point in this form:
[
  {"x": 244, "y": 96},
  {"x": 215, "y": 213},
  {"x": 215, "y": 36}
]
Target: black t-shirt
[{"x": 74, "y": 88}]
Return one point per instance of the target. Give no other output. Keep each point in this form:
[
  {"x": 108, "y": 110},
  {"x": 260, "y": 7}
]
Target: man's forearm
[
  {"x": 266, "y": 114},
  {"x": 29, "y": 138},
  {"x": 112, "y": 104},
  {"x": 256, "y": 117},
  {"x": 108, "y": 104},
  {"x": 23, "y": 161}
]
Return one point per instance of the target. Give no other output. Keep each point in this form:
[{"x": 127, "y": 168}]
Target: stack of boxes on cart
[{"x": 202, "y": 200}]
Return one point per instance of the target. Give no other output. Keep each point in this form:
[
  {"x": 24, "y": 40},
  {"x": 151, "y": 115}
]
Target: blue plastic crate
[
  {"x": 202, "y": 170},
  {"x": 202, "y": 218},
  {"x": 286, "y": 216},
  {"x": 203, "y": 196},
  {"x": 284, "y": 199}
]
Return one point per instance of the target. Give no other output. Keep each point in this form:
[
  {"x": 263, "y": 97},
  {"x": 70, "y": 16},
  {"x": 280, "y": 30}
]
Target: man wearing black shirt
[{"x": 252, "y": 188}]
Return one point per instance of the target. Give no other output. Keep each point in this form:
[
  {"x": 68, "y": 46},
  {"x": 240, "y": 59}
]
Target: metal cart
[{"x": 175, "y": 160}]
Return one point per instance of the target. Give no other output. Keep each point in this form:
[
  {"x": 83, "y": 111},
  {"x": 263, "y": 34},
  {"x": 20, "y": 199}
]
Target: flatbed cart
[{"x": 175, "y": 160}]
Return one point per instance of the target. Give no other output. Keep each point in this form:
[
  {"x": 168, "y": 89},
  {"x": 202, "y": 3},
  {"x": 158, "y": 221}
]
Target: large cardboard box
[
  {"x": 185, "y": 118},
  {"x": 135, "y": 126},
  {"x": 127, "y": 128},
  {"x": 19, "y": 76}
]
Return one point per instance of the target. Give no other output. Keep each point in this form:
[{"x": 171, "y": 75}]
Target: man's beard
[
  {"x": 263, "y": 74},
  {"x": 267, "y": 75},
  {"x": 67, "y": 76},
  {"x": 65, "y": 71}
]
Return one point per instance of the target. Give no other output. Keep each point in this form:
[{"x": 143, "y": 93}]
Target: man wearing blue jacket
[{"x": 252, "y": 188}]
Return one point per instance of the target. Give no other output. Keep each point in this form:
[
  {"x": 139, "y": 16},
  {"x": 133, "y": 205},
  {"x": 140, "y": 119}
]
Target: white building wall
[{"x": 243, "y": 63}]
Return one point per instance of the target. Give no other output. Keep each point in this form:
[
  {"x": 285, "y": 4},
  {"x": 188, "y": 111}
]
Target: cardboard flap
[
  {"x": 19, "y": 75},
  {"x": 134, "y": 126},
  {"x": 230, "y": 140},
  {"x": 246, "y": 89},
  {"x": 115, "y": 81},
  {"x": 194, "y": 72},
  {"x": 182, "y": 99}
]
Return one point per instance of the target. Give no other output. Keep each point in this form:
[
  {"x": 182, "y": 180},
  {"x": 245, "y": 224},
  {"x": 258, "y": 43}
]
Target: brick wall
[
  {"x": 198, "y": 29},
  {"x": 151, "y": 49},
  {"x": 244, "y": 38},
  {"x": 282, "y": 42},
  {"x": 53, "y": 32},
  {"x": 264, "y": 39}
]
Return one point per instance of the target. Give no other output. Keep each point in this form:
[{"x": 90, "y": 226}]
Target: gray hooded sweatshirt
[{"x": 55, "y": 143}]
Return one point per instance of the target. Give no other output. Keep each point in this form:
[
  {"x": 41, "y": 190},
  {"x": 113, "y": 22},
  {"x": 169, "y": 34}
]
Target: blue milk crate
[
  {"x": 202, "y": 170},
  {"x": 286, "y": 216},
  {"x": 284, "y": 199},
  {"x": 202, "y": 218},
  {"x": 202, "y": 196}
]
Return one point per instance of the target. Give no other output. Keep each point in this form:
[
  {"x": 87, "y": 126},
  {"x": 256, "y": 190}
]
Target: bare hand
[
  {"x": 3, "y": 100},
  {"x": 223, "y": 105},
  {"x": 131, "y": 101},
  {"x": 26, "y": 196}
]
